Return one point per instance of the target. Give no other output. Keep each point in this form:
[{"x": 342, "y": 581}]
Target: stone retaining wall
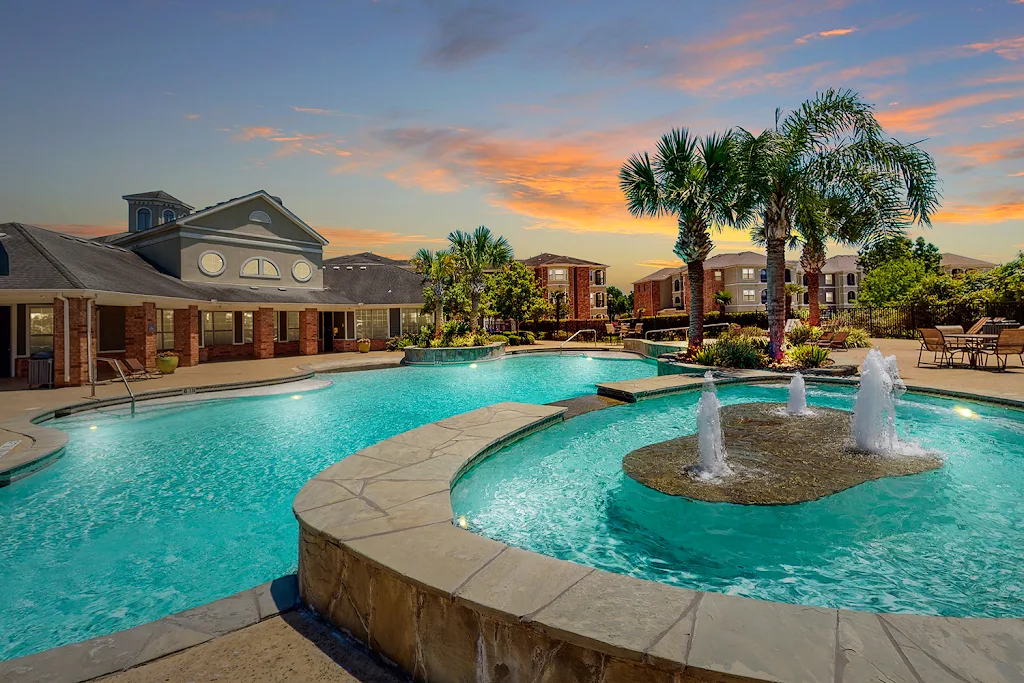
[
  {"x": 652, "y": 349},
  {"x": 415, "y": 355}
]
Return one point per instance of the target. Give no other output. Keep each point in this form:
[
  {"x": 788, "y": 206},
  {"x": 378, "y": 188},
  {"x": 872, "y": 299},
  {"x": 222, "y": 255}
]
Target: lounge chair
[
  {"x": 1009, "y": 343},
  {"x": 838, "y": 342},
  {"x": 138, "y": 370},
  {"x": 825, "y": 340},
  {"x": 978, "y": 326},
  {"x": 933, "y": 342}
]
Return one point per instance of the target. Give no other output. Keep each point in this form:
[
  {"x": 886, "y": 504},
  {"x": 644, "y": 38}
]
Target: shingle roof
[
  {"x": 740, "y": 258},
  {"x": 156, "y": 194},
  {"x": 965, "y": 261},
  {"x": 366, "y": 258},
  {"x": 373, "y": 283},
  {"x": 841, "y": 263},
  {"x": 660, "y": 274},
  {"x": 555, "y": 259}
]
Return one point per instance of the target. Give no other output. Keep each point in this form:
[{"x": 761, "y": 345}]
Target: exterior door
[{"x": 6, "y": 339}]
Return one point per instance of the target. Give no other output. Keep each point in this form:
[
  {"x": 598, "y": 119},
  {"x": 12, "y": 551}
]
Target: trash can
[{"x": 40, "y": 370}]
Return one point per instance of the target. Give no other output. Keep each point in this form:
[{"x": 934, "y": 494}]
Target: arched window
[
  {"x": 851, "y": 297},
  {"x": 807, "y": 298},
  {"x": 143, "y": 219},
  {"x": 168, "y": 216},
  {"x": 260, "y": 267},
  {"x": 675, "y": 285},
  {"x": 851, "y": 279},
  {"x": 259, "y": 217},
  {"x": 764, "y": 296},
  {"x": 764, "y": 275},
  {"x": 789, "y": 275},
  {"x": 805, "y": 279}
]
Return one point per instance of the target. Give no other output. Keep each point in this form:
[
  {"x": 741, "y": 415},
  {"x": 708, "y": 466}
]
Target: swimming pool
[
  {"x": 947, "y": 542},
  {"x": 188, "y": 503}
]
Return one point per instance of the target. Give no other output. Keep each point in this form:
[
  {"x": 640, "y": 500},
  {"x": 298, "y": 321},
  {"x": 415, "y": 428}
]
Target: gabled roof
[
  {"x": 157, "y": 194},
  {"x": 659, "y": 275},
  {"x": 956, "y": 260},
  {"x": 366, "y": 258},
  {"x": 739, "y": 258},
  {"x": 546, "y": 259},
  {"x": 367, "y": 282},
  {"x": 191, "y": 218},
  {"x": 841, "y": 263}
]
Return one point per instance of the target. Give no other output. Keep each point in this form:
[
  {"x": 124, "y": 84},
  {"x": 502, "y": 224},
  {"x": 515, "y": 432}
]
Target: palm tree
[
  {"x": 833, "y": 147},
  {"x": 695, "y": 181},
  {"x": 475, "y": 253},
  {"x": 792, "y": 289},
  {"x": 438, "y": 270},
  {"x": 723, "y": 298}
]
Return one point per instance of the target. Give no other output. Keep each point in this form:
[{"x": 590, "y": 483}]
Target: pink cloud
[
  {"x": 924, "y": 117},
  {"x": 1007, "y": 48}
]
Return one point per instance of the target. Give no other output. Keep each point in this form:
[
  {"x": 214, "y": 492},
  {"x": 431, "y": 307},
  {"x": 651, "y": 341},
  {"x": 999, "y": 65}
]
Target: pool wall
[{"x": 415, "y": 355}]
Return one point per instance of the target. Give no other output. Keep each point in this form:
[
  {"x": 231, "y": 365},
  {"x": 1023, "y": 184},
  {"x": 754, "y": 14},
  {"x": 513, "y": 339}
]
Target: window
[
  {"x": 412, "y": 320},
  {"x": 211, "y": 263},
  {"x": 829, "y": 279},
  {"x": 262, "y": 267},
  {"x": 718, "y": 275},
  {"x": 143, "y": 219},
  {"x": 40, "y": 329},
  {"x": 807, "y": 298},
  {"x": 302, "y": 271},
  {"x": 599, "y": 300},
  {"x": 764, "y": 296},
  {"x": 747, "y": 274},
  {"x": 851, "y": 279},
  {"x": 259, "y": 217},
  {"x": 805, "y": 279},
  {"x": 111, "y": 328},
  {"x": 243, "y": 327},
  {"x": 675, "y": 285},
  {"x": 591, "y": 277},
  {"x": 558, "y": 274},
  {"x": 789, "y": 275},
  {"x": 5, "y": 262},
  {"x": 748, "y": 295},
  {"x": 286, "y": 326},
  {"x": 677, "y": 301},
  {"x": 830, "y": 297},
  {"x": 218, "y": 328},
  {"x": 851, "y": 297},
  {"x": 164, "y": 329},
  {"x": 764, "y": 275},
  {"x": 372, "y": 324},
  {"x": 598, "y": 277},
  {"x": 168, "y": 216}
]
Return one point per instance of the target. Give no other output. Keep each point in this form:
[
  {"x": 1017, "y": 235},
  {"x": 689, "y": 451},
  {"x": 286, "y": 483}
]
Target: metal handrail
[
  {"x": 576, "y": 334},
  {"x": 117, "y": 364},
  {"x": 648, "y": 333}
]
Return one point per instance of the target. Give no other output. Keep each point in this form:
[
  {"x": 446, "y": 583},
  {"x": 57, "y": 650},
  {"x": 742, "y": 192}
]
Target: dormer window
[
  {"x": 168, "y": 216},
  {"x": 260, "y": 267},
  {"x": 259, "y": 217},
  {"x": 143, "y": 219}
]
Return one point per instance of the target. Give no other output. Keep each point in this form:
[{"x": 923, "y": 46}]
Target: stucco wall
[{"x": 237, "y": 254}]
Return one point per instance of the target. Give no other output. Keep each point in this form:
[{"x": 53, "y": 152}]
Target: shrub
[
  {"x": 495, "y": 338},
  {"x": 426, "y": 335},
  {"x": 452, "y": 329},
  {"x": 751, "y": 331},
  {"x": 807, "y": 356},
  {"x": 858, "y": 339},
  {"x": 513, "y": 340},
  {"x": 739, "y": 352},
  {"x": 559, "y": 335},
  {"x": 542, "y": 335},
  {"x": 705, "y": 355},
  {"x": 399, "y": 343},
  {"x": 528, "y": 338},
  {"x": 802, "y": 334}
]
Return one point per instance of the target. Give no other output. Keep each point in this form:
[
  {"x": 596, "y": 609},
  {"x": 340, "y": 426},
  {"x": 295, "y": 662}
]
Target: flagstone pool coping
[{"x": 381, "y": 556}]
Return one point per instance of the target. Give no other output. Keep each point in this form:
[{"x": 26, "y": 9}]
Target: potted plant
[
  {"x": 363, "y": 345},
  {"x": 167, "y": 362}
]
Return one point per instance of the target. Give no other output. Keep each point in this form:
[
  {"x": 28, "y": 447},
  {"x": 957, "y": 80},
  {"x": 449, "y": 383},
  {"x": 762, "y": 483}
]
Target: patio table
[{"x": 972, "y": 343}]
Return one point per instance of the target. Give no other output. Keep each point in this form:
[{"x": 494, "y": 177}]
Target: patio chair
[
  {"x": 825, "y": 340},
  {"x": 139, "y": 370},
  {"x": 610, "y": 330},
  {"x": 638, "y": 331},
  {"x": 950, "y": 329},
  {"x": 1010, "y": 343},
  {"x": 838, "y": 342},
  {"x": 625, "y": 330},
  {"x": 933, "y": 342},
  {"x": 978, "y": 326}
]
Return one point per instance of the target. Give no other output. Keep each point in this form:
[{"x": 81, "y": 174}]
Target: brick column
[
  {"x": 308, "y": 324},
  {"x": 186, "y": 335},
  {"x": 263, "y": 333},
  {"x": 78, "y": 343},
  {"x": 581, "y": 293},
  {"x": 140, "y": 334}
]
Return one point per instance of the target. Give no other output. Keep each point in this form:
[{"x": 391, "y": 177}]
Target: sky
[{"x": 386, "y": 124}]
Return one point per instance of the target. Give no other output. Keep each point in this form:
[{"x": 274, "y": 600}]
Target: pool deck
[{"x": 863, "y": 646}]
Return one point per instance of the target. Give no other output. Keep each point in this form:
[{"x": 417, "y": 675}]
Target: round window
[
  {"x": 302, "y": 271},
  {"x": 211, "y": 263}
]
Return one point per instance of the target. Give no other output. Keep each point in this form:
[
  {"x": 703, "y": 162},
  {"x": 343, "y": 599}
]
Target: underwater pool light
[
  {"x": 296, "y": 396},
  {"x": 964, "y": 411}
]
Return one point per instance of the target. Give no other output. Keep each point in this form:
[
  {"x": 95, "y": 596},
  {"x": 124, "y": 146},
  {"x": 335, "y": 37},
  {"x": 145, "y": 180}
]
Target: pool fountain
[{"x": 757, "y": 454}]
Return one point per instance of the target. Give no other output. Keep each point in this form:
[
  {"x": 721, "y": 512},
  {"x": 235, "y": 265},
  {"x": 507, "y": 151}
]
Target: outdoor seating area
[{"x": 947, "y": 343}]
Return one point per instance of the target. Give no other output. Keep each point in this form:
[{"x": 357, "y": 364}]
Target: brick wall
[
  {"x": 646, "y": 295},
  {"x": 186, "y": 335},
  {"x": 542, "y": 277},
  {"x": 286, "y": 348},
  {"x": 581, "y": 293},
  {"x": 225, "y": 352},
  {"x": 263, "y": 333},
  {"x": 308, "y": 324},
  {"x": 78, "y": 350},
  {"x": 140, "y": 334},
  {"x": 341, "y": 345}
]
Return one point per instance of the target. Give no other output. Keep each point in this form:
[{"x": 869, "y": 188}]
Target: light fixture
[
  {"x": 93, "y": 427},
  {"x": 296, "y": 397},
  {"x": 462, "y": 522},
  {"x": 472, "y": 366},
  {"x": 964, "y": 411}
]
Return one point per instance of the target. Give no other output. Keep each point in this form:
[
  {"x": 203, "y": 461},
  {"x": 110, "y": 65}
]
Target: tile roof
[
  {"x": 546, "y": 259},
  {"x": 156, "y": 194}
]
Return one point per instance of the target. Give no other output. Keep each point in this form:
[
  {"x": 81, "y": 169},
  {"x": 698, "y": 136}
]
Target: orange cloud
[
  {"x": 191, "y": 116},
  {"x": 989, "y": 152},
  {"x": 661, "y": 263},
  {"x": 87, "y": 230},
  {"x": 714, "y": 60},
  {"x": 1009, "y": 209},
  {"x": 1020, "y": 174},
  {"x": 826, "y": 34},
  {"x": 346, "y": 239},
  {"x": 314, "y": 110},
  {"x": 1008, "y": 48},
  {"x": 288, "y": 144},
  {"x": 922, "y": 118}
]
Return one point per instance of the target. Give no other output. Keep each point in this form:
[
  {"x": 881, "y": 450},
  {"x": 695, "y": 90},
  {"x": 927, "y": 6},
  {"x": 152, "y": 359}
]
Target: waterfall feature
[
  {"x": 874, "y": 413},
  {"x": 797, "y": 396},
  {"x": 711, "y": 443}
]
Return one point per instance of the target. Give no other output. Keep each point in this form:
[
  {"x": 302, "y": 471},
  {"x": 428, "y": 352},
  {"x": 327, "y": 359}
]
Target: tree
[
  {"x": 559, "y": 297},
  {"x": 891, "y": 282},
  {"x": 456, "y": 306},
  {"x": 476, "y": 253},
  {"x": 695, "y": 181},
  {"x": 438, "y": 271},
  {"x": 896, "y": 248},
  {"x": 618, "y": 303},
  {"x": 831, "y": 147},
  {"x": 792, "y": 289},
  {"x": 515, "y": 293},
  {"x": 723, "y": 298}
]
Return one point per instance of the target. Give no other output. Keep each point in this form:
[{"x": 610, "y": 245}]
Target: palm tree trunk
[
  {"x": 474, "y": 322},
  {"x": 695, "y": 272},
  {"x": 776, "y": 252},
  {"x": 812, "y": 297},
  {"x": 438, "y": 306}
]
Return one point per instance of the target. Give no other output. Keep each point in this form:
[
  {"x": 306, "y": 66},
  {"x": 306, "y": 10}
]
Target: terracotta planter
[
  {"x": 364, "y": 347},
  {"x": 166, "y": 364}
]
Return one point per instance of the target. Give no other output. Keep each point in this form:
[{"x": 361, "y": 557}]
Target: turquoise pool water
[
  {"x": 185, "y": 504},
  {"x": 948, "y": 542}
]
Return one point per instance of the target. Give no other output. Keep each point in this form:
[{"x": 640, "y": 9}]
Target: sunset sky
[{"x": 386, "y": 124}]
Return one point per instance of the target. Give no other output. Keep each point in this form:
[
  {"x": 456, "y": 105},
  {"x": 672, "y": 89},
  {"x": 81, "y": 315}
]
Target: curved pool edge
[
  {"x": 380, "y": 557},
  {"x": 48, "y": 443}
]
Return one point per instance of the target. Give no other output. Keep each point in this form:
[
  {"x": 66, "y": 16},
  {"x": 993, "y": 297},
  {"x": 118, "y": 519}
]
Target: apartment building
[
  {"x": 583, "y": 284},
  {"x": 954, "y": 264}
]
